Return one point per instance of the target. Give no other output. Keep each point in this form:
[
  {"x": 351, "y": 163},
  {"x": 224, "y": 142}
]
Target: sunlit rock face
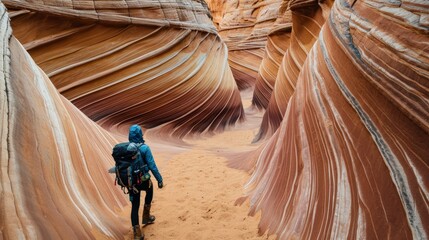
[
  {"x": 53, "y": 178},
  {"x": 350, "y": 159},
  {"x": 307, "y": 20},
  {"x": 145, "y": 62},
  {"x": 217, "y": 9},
  {"x": 244, "y": 26}
]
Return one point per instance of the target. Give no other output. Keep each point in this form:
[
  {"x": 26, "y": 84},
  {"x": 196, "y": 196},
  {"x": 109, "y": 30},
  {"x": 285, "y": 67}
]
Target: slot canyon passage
[{"x": 276, "y": 119}]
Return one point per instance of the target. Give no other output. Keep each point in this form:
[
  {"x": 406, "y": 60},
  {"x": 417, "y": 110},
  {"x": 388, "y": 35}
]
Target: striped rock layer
[
  {"x": 307, "y": 20},
  {"x": 244, "y": 26},
  {"x": 53, "y": 178},
  {"x": 350, "y": 159},
  {"x": 121, "y": 62},
  {"x": 278, "y": 41}
]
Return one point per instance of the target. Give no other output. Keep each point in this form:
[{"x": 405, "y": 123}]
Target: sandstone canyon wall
[
  {"x": 244, "y": 26},
  {"x": 148, "y": 62},
  {"x": 350, "y": 159},
  {"x": 53, "y": 178},
  {"x": 347, "y": 155},
  {"x": 300, "y": 32},
  {"x": 278, "y": 41},
  {"x": 97, "y": 59}
]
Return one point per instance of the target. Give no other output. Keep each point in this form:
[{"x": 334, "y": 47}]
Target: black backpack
[{"x": 131, "y": 169}]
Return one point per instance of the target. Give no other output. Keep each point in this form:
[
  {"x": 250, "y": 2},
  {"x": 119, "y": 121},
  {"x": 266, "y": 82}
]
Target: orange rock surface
[
  {"x": 244, "y": 26},
  {"x": 47, "y": 159},
  {"x": 351, "y": 156},
  {"x": 277, "y": 43},
  {"x": 344, "y": 141},
  {"x": 127, "y": 62},
  {"x": 273, "y": 92}
]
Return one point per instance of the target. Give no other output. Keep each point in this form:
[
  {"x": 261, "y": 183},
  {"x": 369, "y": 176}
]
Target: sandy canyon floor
[{"x": 198, "y": 200}]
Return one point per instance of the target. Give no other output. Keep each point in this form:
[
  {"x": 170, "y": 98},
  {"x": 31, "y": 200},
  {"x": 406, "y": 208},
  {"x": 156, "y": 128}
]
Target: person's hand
[
  {"x": 160, "y": 184},
  {"x": 112, "y": 170}
]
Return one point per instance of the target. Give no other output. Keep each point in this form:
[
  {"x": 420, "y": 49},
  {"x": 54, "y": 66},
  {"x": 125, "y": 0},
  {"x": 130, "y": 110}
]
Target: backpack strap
[
  {"x": 120, "y": 182},
  {"x": 143, "y": 157},
  {"x": 145, "y": 167},
  {"x": 117, "y": 177},
  {"x": 130, "y": 182},
  {"x": 130, "y": 178}
]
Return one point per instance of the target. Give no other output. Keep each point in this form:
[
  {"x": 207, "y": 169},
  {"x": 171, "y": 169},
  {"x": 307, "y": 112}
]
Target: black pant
[{"x": 135, "y": 200}]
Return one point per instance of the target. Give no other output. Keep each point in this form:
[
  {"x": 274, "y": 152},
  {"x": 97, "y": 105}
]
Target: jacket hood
[{"x": 136, "y": 134}]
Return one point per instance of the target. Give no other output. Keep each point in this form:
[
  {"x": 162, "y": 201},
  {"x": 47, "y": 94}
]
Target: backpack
[{"x": 130, "y": 169}]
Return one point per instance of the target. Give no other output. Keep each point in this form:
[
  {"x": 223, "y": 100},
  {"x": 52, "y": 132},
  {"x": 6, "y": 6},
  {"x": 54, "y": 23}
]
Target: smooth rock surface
[
  {"x": 53, "y": 175},
  {"x": 307, "y": 20},
  {"x": 344, "y": 150},
  {"x": 147, "y": 62},
  {"x": 350, "y": 159},
  {"x": 244, "y": 26}
]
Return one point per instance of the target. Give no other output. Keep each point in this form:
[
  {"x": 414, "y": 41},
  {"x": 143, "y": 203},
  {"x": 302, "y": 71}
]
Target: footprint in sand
[
  {"x": 184, "y": 216},
  {"x": 225, "y": 216}
]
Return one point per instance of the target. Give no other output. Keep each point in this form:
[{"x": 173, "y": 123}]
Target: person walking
[{"x": 136, "y": 136}]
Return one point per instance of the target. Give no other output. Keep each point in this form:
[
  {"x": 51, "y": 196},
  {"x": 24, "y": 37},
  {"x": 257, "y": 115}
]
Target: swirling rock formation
[
  {"x": 147, "y": 62},
  {"x": 307, "y": 20},
  {"x": 275, "y": 49},
  {"x": 244, "y": 26},
  {"x": 350, "y": 159},
  {"x": 53, "y": 178}
]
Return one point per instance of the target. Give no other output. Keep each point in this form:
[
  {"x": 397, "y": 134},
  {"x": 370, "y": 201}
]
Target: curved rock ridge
[
  {"x": 275, "y": 49},
  {"x": 189, "y": 14},
  {"x": 273, "y": 92},
  {"x": 148, "y": 72},
  {"x": 245, "y": 66},
  {"x": 53, "y": 179},
  {"x": 244, "y": 26},
  {"x": 277, "y": 44},
  {"x": 351, "y": 156}
]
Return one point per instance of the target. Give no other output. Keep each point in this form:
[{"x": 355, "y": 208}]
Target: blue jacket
[{"x": 136, "y": 136}]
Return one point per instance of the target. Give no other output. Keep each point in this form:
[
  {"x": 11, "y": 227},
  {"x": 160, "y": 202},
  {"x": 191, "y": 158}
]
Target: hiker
[{"x": 136, "y": 136}]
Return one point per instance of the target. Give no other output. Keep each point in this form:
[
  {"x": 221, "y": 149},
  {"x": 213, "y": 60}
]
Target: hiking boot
[
  {"x": 147, "y": 218},
  {"x": 137, "y": 233}
]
